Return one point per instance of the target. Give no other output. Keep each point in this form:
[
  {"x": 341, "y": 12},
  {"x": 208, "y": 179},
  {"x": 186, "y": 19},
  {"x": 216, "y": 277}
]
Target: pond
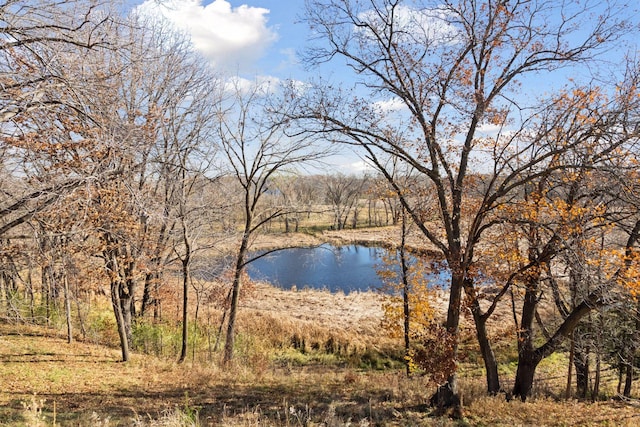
[{"x": 335, "y": 268}]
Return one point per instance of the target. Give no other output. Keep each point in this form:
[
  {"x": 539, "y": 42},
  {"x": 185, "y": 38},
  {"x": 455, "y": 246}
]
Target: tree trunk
[
  {"x": 527, "y": 364},
  {"x": 581, "y": 363},
  {"x": 632, "y": 348},
  {"x": 628, "y": 380},
  {"x": 527, "y": 358},
  {"x": 354, "y": 221},
  {"x": 32, "y": 296},
  {"x": 150, "y": 282},
  {"x": 405, "y": 294},
  {"x": 235, "y": 296},
  {"x": 488, "y": 356},
  {"x": 47, "y": 291},
  {"x": 185, "y": 300},
  {"x": 407, "y": 317},
  {"x": 595, "y": 395},
  {"x": 195, "y": 326},
  {"x": 120, "y": 322},
  {"x": 122, "y": 288},
  {"x": 128, "y": 312},
  {"x": 446, "y": 396},
  {"x": 67, "y": 308},
  {"x": 572, "y": 355}
]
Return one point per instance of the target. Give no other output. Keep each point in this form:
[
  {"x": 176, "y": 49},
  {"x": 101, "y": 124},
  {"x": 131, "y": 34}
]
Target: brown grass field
[{"x": 343, "y": 375}]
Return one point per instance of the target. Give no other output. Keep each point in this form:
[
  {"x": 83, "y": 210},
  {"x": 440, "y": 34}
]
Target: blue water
[{"x": 335, "y": 268}]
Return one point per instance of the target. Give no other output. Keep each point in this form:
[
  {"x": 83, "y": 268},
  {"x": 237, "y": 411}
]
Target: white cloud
[
  {"x": 291, "y": 59},
  {"x": 489, "y": 129},
  {"x": 390, "y": 105},
  {"x": 231, "y": 38},
  {"x": 351, "y": 167},
  {"x": 360, "y": 166}
]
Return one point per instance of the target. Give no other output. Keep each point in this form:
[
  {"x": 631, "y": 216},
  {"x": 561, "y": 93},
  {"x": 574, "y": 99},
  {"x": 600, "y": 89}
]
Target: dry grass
[
  {"x": 495, "y": 411},
  {"x": 43, "y": 379},
  {"x": 358, "y": 312},
  {"x": 275, "y": 381}
]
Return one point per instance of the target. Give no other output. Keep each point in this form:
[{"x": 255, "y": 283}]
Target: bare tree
[
  {"x": 256, "y": 148},
  {"x": 342, "y": 193}
]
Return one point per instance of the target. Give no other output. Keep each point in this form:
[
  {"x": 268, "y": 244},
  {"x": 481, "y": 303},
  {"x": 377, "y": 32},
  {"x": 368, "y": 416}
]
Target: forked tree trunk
[
  {"x": 528, "y": 356},
  {"x": 122, "y": 292},
  {"x": 527, "y": 363}
]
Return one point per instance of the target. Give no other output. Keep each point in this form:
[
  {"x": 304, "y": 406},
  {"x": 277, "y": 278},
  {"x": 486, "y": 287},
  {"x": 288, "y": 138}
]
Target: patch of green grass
[
  {"x": 292, "y": 357},
  {"x": 58, "y": 375},
  {"x": 375, "y": 360}
]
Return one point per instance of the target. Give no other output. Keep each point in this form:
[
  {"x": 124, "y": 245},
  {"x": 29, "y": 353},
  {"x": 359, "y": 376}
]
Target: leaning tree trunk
[
  {"x": 233, "y": 309},
  {"x": 120, "y": 321},
  {"x": 235, "y": 294},
  {"x": 488, "y": 356}
]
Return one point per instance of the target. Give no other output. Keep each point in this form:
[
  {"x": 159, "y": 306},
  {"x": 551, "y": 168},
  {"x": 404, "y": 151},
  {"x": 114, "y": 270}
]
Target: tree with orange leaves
[
  {"x": 456, "y": 69},
  {"x": 43, "y": 99}
]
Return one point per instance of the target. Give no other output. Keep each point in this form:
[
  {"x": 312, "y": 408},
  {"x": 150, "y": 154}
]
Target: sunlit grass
[
  {"x": 302, "y": 358},
  {"x": 264, "y": 387}
]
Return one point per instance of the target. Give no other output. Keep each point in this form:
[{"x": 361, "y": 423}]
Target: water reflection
[{"x": 344, "y": 268}]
